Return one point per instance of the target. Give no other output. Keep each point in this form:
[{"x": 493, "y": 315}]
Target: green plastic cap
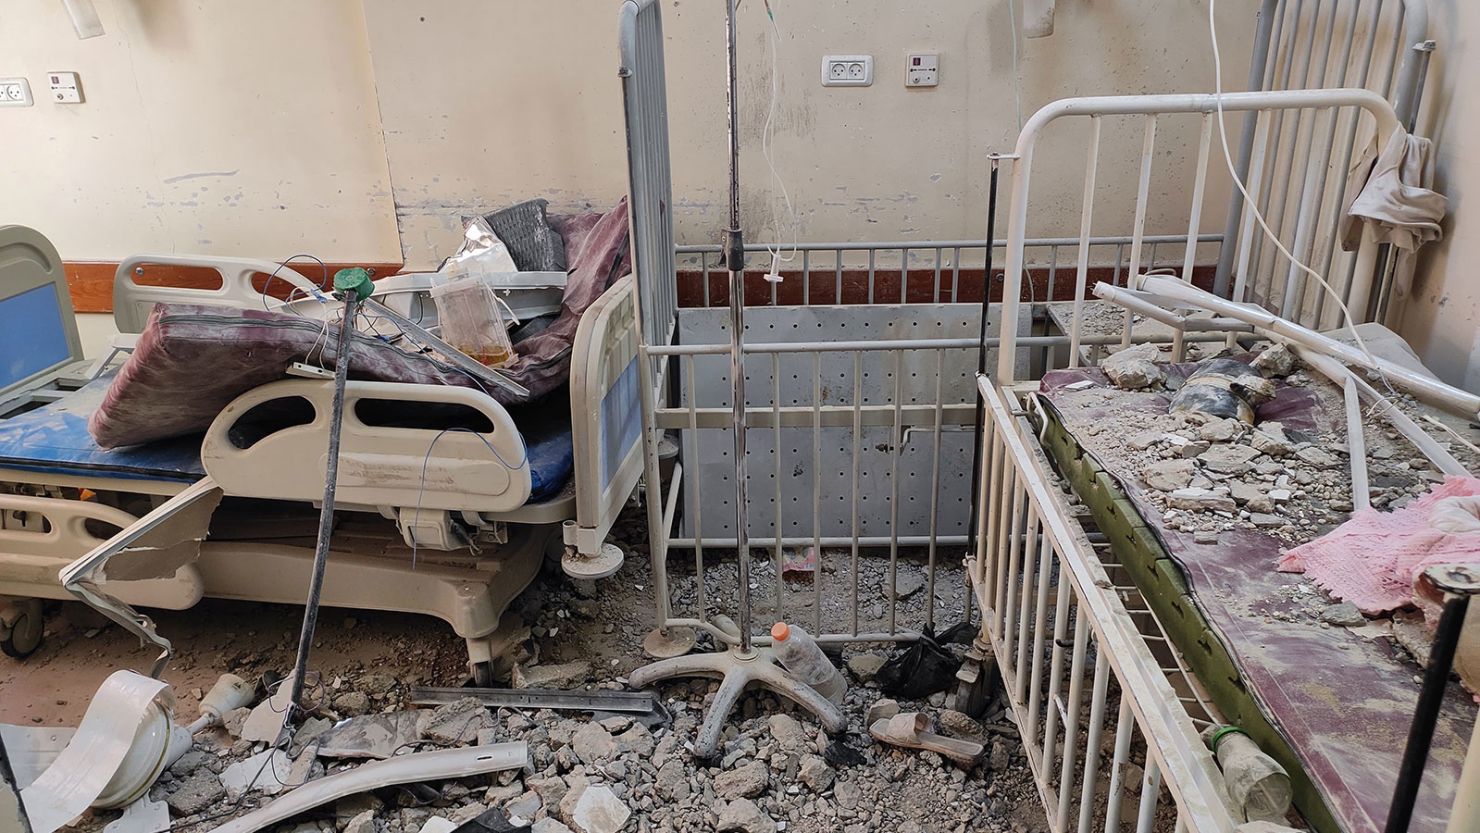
[{"x": 354, "y": 279}]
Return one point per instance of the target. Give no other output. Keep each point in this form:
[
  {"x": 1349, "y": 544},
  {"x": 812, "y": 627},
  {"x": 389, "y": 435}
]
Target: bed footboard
[{"x": 605, "y": 414}]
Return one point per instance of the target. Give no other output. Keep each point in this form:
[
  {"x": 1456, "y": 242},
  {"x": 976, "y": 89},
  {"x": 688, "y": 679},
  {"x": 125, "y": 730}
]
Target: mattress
[{"x": 1339, "y": 699}]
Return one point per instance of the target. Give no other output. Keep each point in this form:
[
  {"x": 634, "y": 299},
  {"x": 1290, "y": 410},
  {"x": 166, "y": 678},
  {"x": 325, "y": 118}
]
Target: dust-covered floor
[{"x": 772, "y": 774}]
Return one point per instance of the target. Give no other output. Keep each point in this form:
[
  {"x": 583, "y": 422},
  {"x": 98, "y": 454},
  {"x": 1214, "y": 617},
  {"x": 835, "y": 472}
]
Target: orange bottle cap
[{"x": 780, "y": 631}]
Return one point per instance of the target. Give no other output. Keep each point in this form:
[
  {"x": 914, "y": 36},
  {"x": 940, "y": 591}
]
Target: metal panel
[
  {"x": 794, "y": 384},
  {"x": 645, "y": 97}
]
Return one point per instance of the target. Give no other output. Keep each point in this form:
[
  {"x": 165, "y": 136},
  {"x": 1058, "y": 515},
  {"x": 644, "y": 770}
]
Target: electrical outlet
[
  {"x": 66, "y": 87},
  {"x": 15, "y": 92},
  {"x": 922, "y": 69},
  {"x": 847, "y": 70}
]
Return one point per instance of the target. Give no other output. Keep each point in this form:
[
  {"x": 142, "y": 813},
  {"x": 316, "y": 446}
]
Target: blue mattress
[{"x": 54, "y": 439}]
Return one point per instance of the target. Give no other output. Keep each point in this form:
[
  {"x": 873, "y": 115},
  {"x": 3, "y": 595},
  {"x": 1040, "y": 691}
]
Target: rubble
[
  {"x": 865, "y": 666},
  {"x": 1343, "y": 615},
  {"x": 746, "y": 781},
  {"x": 1169, "y": 475},
  {"x": 566, "y": 675},
  {"x": 1134, "y": 368},
  {"x": 744, "y": 816},
  {"x": 1277, "y": 360},
  {"x": 1199, "y": 500},
  {"x": 597, "y": 810}
]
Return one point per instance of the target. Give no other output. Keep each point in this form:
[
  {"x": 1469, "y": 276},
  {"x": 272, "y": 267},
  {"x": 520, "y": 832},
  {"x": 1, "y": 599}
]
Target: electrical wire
[
  {"x": 766, "y": 152},
  {"x": 425, "y": 461},
  {"x": 1254, "y": 209},
  {"x": 323, "y": 283}
]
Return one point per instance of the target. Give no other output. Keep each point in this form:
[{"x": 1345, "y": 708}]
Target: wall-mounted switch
[{"x": 66, "y": 87}]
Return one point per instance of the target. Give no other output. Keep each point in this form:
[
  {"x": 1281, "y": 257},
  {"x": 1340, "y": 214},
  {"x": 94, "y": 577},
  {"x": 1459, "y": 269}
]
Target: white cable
[
  {"x": 1254, "y": 209},
  {"x": 1017, "y": 75},
  {"x": 766, "y": 151}
]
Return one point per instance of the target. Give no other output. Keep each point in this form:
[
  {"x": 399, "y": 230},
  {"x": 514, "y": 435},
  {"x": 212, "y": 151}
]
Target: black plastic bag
[{"x": 921, "y": 668}]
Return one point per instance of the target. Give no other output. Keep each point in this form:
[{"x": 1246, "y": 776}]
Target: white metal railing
[
  {"x": 1286, "y": 290},
  {"x": 1074, "y": 666}
]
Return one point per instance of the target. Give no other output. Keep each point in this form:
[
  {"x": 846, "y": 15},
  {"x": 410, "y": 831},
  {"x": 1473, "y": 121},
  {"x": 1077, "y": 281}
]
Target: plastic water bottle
[
  {"x": 800, "y": 654},
  {"x": 1255, "y": 781}
]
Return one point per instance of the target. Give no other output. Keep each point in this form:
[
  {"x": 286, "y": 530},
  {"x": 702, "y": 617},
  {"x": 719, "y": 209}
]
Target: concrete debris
[
  {"x": 1269, "y": 438},
  {"x": 1276, "y": 361},
  {"x": 1134, "y": 368},
  {"x": 882, "y": 708},
  {"x": 458, "y": 722},
  {"x": 202, "y": 789},
  {"x": 787, "y": 733},
  {"x": 549, "y": 825},
  {"x": 907, "y": 584},
  {"x": 1228, "y": 459},
  {"x": 266, "y": 719},
  {"x": 744, "y": 816},
  {"x": 351, "y": 703},
  {"x": 1199, "y": 500},
  {"x": 266, "y": 772},
  {"x": 1220, "y": 430},
  {"x": 816, "y": 774},
  {"x": 598, "y": 810},
  {"x": 1343, "y": 615},
  {"x": 747, "y": 781},
  {"x": 1316, "y": 456},
  {"x": 437, "y": 824},
  {"x": 567, "y": 675},
  {"x": 865, "y": 666},
  {"x": 309, "y": 732},
  {"x": 373, "y": 735},
  {"x": 233, "y": 720},
  {"x": 592, "y": 743},
  {"x": 1169, "y": 475},
  {"x": 363, "y": 823}
]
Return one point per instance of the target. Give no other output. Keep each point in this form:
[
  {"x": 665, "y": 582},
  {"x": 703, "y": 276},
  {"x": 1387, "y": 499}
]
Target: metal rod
[
  {"x": 1264, "y": 22},
  {"x": 735, "y": 263},
  {"x": 326, "y": 512},
  {"x": 981, "y": 357},
  {"x": 1426, "y": 715},
  {"x": 636, "y": 702}
]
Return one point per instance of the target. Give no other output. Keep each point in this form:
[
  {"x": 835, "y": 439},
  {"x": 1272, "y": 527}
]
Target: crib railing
[{"x": 1074, "y": 667}]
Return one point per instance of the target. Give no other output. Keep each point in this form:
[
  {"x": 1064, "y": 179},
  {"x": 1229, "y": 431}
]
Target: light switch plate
[
  {"x": 15, "y": 92},
  {"x": 66, "y": 87},
  {"x": 922, "y": 69}
]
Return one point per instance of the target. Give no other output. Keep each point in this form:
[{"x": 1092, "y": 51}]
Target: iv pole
[{"x": 741, "y": 664}]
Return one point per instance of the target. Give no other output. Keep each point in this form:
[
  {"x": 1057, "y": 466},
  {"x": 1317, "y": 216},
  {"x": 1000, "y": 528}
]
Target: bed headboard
[{"x": 38, "y": 333}]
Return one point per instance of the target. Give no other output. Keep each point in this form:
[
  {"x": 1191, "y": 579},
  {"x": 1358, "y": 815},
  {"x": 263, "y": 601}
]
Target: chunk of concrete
[{"x": 1134, "y": 368}]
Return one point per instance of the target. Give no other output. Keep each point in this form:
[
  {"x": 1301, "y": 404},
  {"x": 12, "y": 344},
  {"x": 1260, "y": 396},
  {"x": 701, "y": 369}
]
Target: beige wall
[
  {"x": 243, "y": 128},
  {"x": 487, "y": 103},
  {"x": 1440, "y": 320}
]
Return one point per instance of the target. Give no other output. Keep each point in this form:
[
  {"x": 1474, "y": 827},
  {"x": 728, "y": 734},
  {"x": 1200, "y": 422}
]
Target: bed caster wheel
[
  {"x": 21, "y": 628},
  {"x": 483, "y": 676},
  {"x": 591, "y": 567}
]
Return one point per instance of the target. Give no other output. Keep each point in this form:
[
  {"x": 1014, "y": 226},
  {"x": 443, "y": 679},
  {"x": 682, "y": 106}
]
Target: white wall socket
[
  {"x": 15, "y": 92},
  {"x": 847, "y": 70},
  {"x": 922, "y": 69}
]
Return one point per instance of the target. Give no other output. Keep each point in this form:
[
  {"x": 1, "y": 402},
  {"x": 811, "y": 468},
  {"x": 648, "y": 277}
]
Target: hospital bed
[{"x": 454, "y": 528}]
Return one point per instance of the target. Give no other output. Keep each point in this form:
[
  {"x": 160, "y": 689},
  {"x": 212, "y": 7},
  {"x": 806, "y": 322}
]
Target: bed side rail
[
  {"x": 1074, "y": 667},
  {"x": 132, "y": 300},
  {"x": 605, "y": 414}
]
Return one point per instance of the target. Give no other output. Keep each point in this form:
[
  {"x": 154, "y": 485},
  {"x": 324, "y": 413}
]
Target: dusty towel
[
  {"x": 1395, "y": 202},
  {"x": 1373, "y": 559}
]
